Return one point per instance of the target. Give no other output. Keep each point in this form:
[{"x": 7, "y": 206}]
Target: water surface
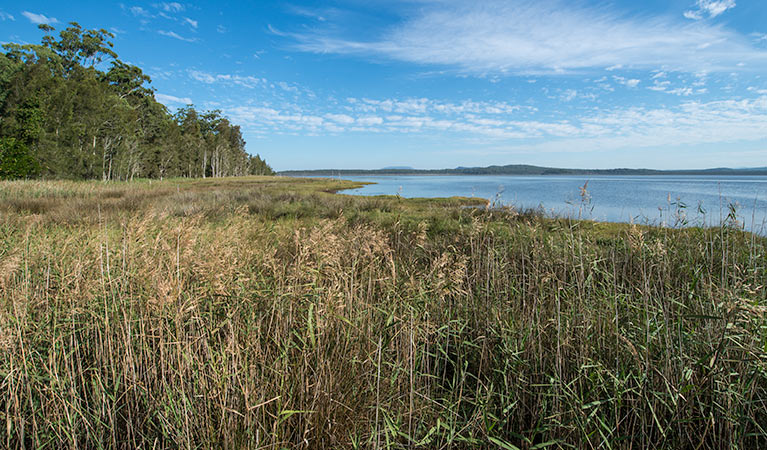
[{"x": 662, "y": 200}]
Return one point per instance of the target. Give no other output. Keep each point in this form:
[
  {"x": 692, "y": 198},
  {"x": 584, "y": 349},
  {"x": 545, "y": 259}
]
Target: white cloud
[
  {"x": 249, "y": 82},
  {"x": 569, "y": 95},
  {"x": 202, "y": 76},
  {"x": 173, "y": 7},
  {"x": 632, "y": 83},
  {"x": 286, "y": 87},
  {"x": 659, "y": 85},
  {"x": 340, "y": 118},
  {"x": 260, "y": 119},
  {"x": 692, "y": 15},
  {"x": 368, "y": 121},
  {"x": 139, "y": 11},
  {"x": 711, "y": 7},
  {"x": 714, "y": 7},
  {"x": 526, "y": 36},
  {"x": 39, "y": 19},
  {"x": 312, "y": 14},
  {"x": 175, "y": 35},
  {"x": 602, "y": 83},
  {"x": 682, "y": 91},
  {"x": 423, "y": 105},
  {"x": 170, "y": 99},
  {"x": 191, "y": 22},
  {"x": 5, "y": 16}
]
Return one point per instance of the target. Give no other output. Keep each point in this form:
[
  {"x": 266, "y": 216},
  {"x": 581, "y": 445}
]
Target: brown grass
[{"x": 267, "y": 313}]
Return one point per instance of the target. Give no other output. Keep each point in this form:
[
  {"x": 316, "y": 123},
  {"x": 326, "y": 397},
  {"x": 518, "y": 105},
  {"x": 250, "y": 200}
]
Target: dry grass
[{"x": 267, "y": 313}]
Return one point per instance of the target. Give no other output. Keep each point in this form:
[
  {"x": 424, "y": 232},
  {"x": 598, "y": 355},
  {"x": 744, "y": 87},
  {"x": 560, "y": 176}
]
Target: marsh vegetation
[{"x": 266, "y": 312}]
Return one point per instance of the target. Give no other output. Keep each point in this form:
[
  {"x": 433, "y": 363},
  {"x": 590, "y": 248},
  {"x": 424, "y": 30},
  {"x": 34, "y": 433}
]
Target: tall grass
[{"x": 265, "y": 313}]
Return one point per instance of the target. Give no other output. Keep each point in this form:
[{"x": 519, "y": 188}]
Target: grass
[{"x": 272, "y": 313}]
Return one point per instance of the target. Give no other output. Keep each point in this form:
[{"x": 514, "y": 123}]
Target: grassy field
[{"x": 271, "y": 313}]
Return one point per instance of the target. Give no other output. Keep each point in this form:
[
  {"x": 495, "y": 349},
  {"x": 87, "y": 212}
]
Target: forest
[{"x": 71, "y": 109}]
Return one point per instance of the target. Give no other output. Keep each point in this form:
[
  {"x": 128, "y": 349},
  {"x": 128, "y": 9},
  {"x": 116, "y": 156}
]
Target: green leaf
[{"x": 503, "y": 444}]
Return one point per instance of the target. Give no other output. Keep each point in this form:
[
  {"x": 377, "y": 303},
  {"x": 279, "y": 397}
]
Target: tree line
[{"x": 70, "y": 108}]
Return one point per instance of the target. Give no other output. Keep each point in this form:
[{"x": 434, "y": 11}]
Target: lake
[{"x": 661, "y": 200}]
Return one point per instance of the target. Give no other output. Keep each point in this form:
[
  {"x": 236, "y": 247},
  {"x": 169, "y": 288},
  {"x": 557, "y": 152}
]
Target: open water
[{"x": 661, "y": 200}]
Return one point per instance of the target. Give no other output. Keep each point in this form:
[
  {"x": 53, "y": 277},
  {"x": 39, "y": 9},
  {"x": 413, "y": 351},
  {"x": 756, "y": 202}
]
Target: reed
[{"x": 270, "y": 313}]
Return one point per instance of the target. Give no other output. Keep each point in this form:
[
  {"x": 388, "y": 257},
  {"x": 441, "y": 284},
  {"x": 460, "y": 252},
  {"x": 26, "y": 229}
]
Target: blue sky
[{"x": 445, "y": 83}]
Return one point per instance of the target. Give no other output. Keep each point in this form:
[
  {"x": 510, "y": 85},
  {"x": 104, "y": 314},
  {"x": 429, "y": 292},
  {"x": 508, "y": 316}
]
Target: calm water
[{"x": 701, "y": 200}]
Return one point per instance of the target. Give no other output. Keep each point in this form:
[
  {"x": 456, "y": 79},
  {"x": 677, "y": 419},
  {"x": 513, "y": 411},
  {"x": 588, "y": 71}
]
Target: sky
[{"x": 367, "y": 84}]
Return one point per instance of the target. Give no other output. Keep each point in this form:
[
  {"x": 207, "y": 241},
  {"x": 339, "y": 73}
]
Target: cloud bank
[
  {"x": 544, "y": 37},
  {"x": 486, "y": 124}
]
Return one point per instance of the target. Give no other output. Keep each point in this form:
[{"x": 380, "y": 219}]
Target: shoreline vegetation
[
  {"x": 270, "y": 312},
  {"x": 522, "y": 169}
]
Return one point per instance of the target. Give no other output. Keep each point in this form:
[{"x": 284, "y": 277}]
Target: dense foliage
[
  {"x": 65, "y": 114},
  {"x": 16, "y": 160}
]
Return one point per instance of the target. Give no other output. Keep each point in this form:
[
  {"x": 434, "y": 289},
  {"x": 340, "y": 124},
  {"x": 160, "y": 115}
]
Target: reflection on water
[{"x": 663, "y": 200}]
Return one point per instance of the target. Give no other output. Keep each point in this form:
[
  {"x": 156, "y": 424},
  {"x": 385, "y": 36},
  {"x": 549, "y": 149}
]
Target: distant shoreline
[{"x": 527, "y": 170}]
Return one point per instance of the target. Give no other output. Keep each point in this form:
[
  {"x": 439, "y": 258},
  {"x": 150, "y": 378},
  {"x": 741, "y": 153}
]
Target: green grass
[{"x": 268, "y": 312}]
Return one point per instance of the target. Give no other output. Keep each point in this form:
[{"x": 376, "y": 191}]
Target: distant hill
[{"x": 523, "y": 169}]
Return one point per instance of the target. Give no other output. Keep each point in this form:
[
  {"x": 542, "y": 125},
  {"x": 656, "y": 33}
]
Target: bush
[{"x": 16, "y": 161}]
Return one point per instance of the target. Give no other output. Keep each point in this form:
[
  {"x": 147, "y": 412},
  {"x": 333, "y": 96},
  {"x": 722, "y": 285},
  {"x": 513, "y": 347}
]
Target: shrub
[{"x": 16, "y": 161}]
